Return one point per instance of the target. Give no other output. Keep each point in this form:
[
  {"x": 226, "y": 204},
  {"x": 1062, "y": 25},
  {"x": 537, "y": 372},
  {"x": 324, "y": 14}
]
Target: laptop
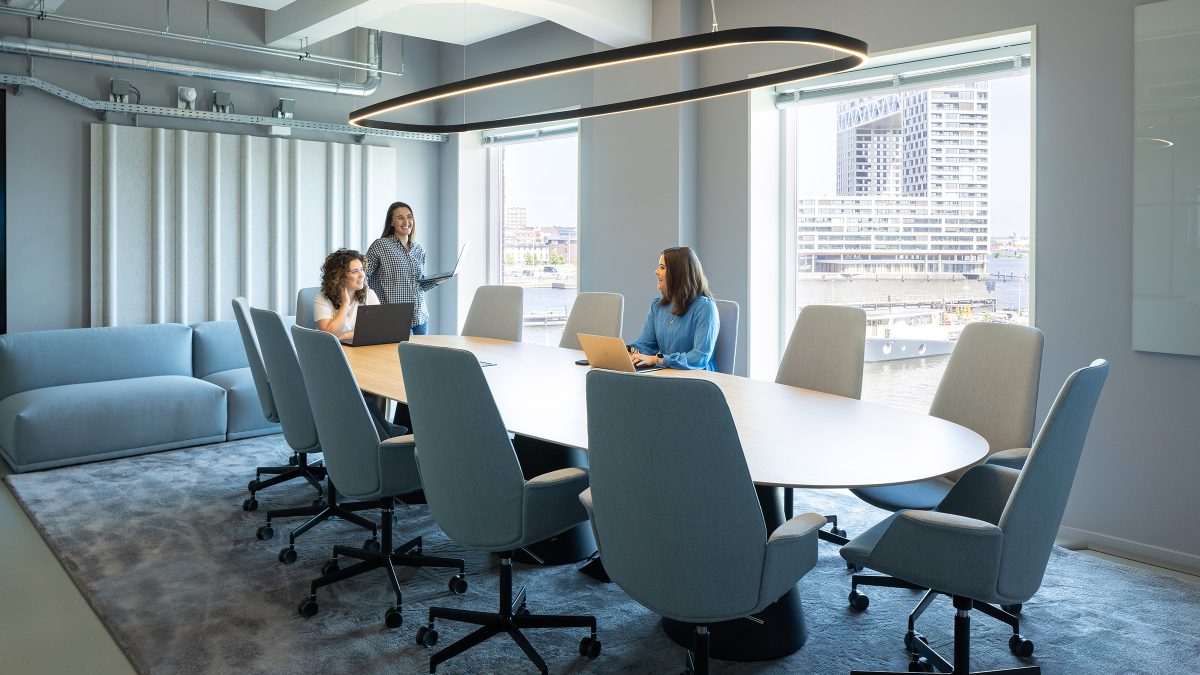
[
  {"x": 609, "y": 353},
  {"x": 442, "y": 276},
  {"x": 381, "y": 324}
]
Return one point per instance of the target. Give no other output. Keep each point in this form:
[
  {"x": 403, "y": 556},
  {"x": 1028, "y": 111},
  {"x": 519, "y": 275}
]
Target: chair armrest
[
  {"x": 556, "y": 477},
  {"x": 981, "y": 493},
  {"x": 407, "y": 439},
  {"x": 791, "y": 553},
  {"x": 585, "y": 498},
  {"x": 954, "y": 554},
  {"x": 551, "y": 503},
  {"x": 1013, "y": 459}
]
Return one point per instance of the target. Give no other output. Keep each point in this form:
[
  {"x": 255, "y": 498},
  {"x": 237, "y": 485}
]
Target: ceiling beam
[{"x": 616, "y": 23}]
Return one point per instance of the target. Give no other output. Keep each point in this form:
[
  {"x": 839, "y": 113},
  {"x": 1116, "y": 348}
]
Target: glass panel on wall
[
  {"x": 913, "y": 204},
  {"x": 538, "y": 229}
]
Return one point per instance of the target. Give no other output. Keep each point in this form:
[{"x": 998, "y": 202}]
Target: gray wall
[{"x": 48, "y": 149}]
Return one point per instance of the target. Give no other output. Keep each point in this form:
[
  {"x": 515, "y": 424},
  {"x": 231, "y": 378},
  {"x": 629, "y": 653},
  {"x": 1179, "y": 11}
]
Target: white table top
[{"x": 792, "y": 437}]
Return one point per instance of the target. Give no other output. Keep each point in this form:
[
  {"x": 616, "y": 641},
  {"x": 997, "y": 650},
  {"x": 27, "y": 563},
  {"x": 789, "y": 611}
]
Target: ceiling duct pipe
[{"x": 173, "y": 66}]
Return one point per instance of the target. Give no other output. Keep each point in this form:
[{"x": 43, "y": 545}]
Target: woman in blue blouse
[{"x": 682, "y": 324}]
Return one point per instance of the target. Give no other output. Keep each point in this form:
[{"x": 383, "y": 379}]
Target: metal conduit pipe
[{"x": 174, "y": 66}]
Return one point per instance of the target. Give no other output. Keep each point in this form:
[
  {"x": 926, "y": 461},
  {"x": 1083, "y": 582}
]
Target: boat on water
[{"x": 909, "y": 334}]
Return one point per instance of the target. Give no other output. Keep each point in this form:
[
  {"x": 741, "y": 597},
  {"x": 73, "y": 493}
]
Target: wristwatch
[{"x": 659, "y": 358}]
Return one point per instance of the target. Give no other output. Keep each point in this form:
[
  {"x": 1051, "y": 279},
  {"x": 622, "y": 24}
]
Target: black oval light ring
[{"x": 855, "y": 49}]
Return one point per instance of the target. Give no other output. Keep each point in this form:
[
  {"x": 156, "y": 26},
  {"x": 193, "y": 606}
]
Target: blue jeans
[{"x": 421, "y": 329}]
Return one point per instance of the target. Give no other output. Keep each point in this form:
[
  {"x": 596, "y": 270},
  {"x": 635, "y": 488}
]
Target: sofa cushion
[
  {"x": 216, "y": 347},
  {"x": 245, "y": 414},
  {"x": 69, "y": 423},
  {"x": 56, "y": 357}
]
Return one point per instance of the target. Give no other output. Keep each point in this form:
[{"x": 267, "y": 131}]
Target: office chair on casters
[
  {"x": 695, "y": 555},
  {"x": 594, "y": 314},
  {"x": 305, "y": 311},
  {"x": 478, "y": 496},
  {"x": 990, "y": 387},
  {"x": 363, "y": 467},
  {"x": 725, "y": 351},
  {"x": 825, "y": 353},
  {"x": 299, "y": 430},
  {"x": 989, "y": 540},
  {"x": 298, "y": 462},
  {"x": 496, "y": 312}
]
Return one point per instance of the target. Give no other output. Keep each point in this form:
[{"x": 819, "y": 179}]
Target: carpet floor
[{"x": 163, "y": 552}]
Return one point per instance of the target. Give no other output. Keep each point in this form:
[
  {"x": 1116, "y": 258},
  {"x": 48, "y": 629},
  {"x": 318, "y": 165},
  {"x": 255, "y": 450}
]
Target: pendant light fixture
[{"x": 855, "y": 51}]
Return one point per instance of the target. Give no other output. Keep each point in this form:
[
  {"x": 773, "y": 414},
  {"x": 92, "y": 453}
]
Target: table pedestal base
[{"x": 781, "y": 632}]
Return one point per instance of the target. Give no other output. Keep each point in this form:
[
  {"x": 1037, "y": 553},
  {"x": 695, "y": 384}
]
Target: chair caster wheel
[
  {"x": 921, "y": 665},
  {"x": 458, "y": 584},
  {"x": 320, "y": 502},
  {"x": 308, "y": 608},
  {"x": 854, "y": 568},
  {"x": 589, "y": 647},
  {"x": 1020, "y": 646},
  {"x": 265, "y": 532},
  {"x": 252, "y": 486},
  {"x": 294, "y": 461},
  {"x": 1012, "y": 609},
  {"x": 427, "y": 636},
  {"x": 859, "y": 601},
  {"x": 251, "y": 504},
  {"x": 371, "y": 545},
  {"x": 330, "y": 567},
  {"x": 393, "y": 618},
  {"x": 837, "y": 532},
  {"x": 522, "y": 610},
  {"x": 287, "y": 556},
  {"x": 909, "y": 636}
]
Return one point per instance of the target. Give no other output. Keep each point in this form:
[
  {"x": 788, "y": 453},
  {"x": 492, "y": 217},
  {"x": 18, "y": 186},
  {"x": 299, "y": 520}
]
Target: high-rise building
[{"x": 912, "y": 187}]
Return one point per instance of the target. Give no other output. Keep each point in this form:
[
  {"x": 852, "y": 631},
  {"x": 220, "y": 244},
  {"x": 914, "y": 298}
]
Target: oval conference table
[{"x": 792, "y": 437}]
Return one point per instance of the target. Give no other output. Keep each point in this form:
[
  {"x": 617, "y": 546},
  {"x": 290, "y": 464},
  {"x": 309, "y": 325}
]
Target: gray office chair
[
  {"x": 990, "y": 387},
  {"x": 825, "y": 353},
  {"x": 305, "y": 315},
  {"x": 496, "y": 312},
  {"x": 477, "y": 495},
  {"x": 299, "y": 430},
  {"x": 987, "y": 543},
  {"x": 725, "y": 352},
  {"x": 298, "y": 463},
  {"x": 694, "y": 555},
  {"x": 363, "y": 467},
  {"x": 594, "y": 314}
]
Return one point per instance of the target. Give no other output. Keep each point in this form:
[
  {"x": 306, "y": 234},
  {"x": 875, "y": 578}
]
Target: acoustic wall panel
[{"x": 183, "y": 221}]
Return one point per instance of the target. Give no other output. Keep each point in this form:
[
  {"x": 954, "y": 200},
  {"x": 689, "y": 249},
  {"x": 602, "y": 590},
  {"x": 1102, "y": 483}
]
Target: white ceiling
[{"x": 613, "y": 22}]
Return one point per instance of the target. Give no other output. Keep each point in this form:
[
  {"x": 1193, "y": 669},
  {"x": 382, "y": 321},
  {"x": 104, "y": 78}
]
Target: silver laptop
[
  {"x": 381, "y": 324},
  {"x": 609, "y": 353},
  {"x": 442, "y": 276}
]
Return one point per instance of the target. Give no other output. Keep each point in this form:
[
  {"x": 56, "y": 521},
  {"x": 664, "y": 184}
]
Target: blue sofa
[{"x": 88, "y": 394}]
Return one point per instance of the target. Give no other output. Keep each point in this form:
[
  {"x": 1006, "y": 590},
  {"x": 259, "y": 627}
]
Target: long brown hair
[
  {"x": 685, "y": 279},
  {"x": 390, "y": 231},
  {"x": 333, "y": 276}
]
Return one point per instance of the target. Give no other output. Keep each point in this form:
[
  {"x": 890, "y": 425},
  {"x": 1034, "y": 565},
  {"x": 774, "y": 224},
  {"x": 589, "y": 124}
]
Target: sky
[
  {"x": 543, "y": 177},
  {"x": 1009, "y": 159}
]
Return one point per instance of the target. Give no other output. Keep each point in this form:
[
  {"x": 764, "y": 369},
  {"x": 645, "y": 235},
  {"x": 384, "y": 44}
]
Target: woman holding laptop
[
  {"x": 682, "y": 324},
  {"x": 396, "y": 263},
  {"x": 343, "y": 289}
]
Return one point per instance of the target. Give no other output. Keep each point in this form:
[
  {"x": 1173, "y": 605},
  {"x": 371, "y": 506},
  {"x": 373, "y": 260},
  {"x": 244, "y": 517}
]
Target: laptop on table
[
  {"x": 609, "y": 353},
  {"x": 442, "y": 276},
  {"x": 381, "y": 324}
]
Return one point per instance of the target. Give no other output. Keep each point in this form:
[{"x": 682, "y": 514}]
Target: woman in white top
[{"x": 343, "y": 289}]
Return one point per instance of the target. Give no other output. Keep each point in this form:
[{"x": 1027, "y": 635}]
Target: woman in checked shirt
[{"x": 395, "y": 264}]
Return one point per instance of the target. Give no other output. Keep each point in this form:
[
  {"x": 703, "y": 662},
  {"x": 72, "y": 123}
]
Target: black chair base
[
  {"x": 924, "y": 657},
  {"x": 312, "y": 473},
  {"x": 319, "y": 512},
  {"x": 511, "y": 617},
  {"x": 374, "y": 555}
]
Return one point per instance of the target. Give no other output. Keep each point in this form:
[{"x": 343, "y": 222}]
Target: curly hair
[{"x": 333, "y": 276}]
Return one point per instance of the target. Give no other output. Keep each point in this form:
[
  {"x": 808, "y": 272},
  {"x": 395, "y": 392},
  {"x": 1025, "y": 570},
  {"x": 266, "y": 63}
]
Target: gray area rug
[{"x": 163, "y": 552}]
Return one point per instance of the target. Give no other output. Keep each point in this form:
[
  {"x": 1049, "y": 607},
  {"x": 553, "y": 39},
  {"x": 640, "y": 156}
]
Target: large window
[
  {"x": 912, "y": 202},
  {"x": 535, "y": 218}
]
